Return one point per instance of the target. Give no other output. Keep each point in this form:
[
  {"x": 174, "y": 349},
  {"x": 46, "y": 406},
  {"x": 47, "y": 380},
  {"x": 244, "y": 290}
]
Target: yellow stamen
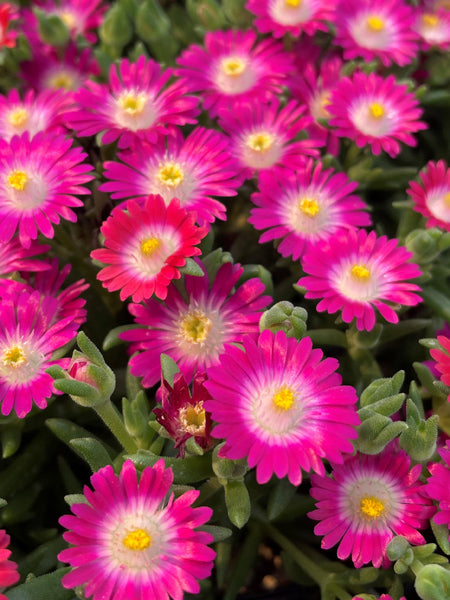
[
  {"x": 447, "y": 199},
  {"x": 62, "y": 81},
  {"x": 68, "y": 19},
  {"x": 170, "y": 174},
  {"x": 193, "y": 418},
  {"x": 233, "y": 66},
  {"x": 139, "y": 539},
  {"x": 430, "y": 20},
  {"x": 375, "y": 23},
  {"x": 18, "y": 117},
  {"x": 13, "y": 357},
  {"x": 360, "y": 272},
  {"x": 260, "y": 142},
  {"x": 149, "y": 246},
  {"x": 292, "y": 3},
  {"x": 284, "y": 399},
  {"x": 309, "y": 206},
  {"x": 372, "y": 507},
  {"x": 195, "y": 326},
  {"x": 18, "y": 180},
  {"x": 132, "y": 104},
  {"x": 376, "y": 110}
]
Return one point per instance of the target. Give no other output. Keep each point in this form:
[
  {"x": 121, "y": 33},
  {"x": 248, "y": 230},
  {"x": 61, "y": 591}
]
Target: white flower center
[
  {"x": 291, "y": 12},
  {"x": 18, "y": 117},
  {"x": 374, "y": 117},
  {"x": 357, "y": 281},
  {"x": 437, "y": 201},
  {"x": 234, "y": 75},
  {"x": 260, "y": 149},
  {"x": 373, "y": 31},
  {"x": 170, "y": 174},
  {"x": 134, "y": 111},
  {"x": 19, "y": 362}
]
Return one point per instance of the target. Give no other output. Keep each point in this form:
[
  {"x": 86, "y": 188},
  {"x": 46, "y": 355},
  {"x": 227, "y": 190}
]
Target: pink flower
[
  {"x": 432, "y": 198},
  {"x": 8, "y": 13},
  {"x": 129, "y": 541},
  {"x": 14, "y": 257},
  {"x": 367, "y": 501},
  {"x": 279, "y": 17},
  {"x": 371, "y": 110},
  {"x": 193, "y": 170},
  {"x": 137, "y": 102},
  {"x": 192, "y": 326},
  {"x": 376, "y": 29},
  {"x": 39, "y": 183},
  {"x": 358, "y": 272},
  {"x": 264, "y": 135},
  {"x": 438, "y": 485},
  {"x": 279, "y": 405},
  {"x": 442, "y": 357},
  {"x": 233, "y": 68},
  {"x": 433, "y": 26},
  {"x": 8, "y": 568},
  {"x": 145, "y": 246},
  {"x": 305, "y": 208}
]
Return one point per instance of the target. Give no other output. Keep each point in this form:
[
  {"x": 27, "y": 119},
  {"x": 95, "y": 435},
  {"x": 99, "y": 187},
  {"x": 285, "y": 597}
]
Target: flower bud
[
  {"x": 433, "y": 582},
  {"x": 52, "y": 30},
  {"x": 207, "y": 13},
  {"x": 286, "y": 317},
  {"x": 423, "y": 244},
  {"x": 116, "y": 30}
]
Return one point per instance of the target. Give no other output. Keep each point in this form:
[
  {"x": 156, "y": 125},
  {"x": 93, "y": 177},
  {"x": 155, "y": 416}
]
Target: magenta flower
[
  {"x": 193, "y": 326},
  {"x": 432, "y": 198},
  {"x": 438, "y": 485},
  {"x": 358, "y": 272},
  {"x": 279, "y": 17},
  {"x": 8, "y": 13},
  {"x": 8, "y": 568},
  {"x": 377, "y": 29},
  {"x": 183, "y": 415},
  {"x": 442, "y": 358},
  {"x": 374, "y": 111},
  {"x": 367, "y": 501},
  {"x": 192, "y": 170},
  {"x": 14, "y": 257},
  {"x": 28, "y": 337},
  {"x": 279, "y": 405},
  {"x": 433, "y": 26},
  {"x": 39, "y": 183},
  {"x": 145, "y": 246},
  {"x": 305, "y": 208},
  {"x": 137, "y": 102},
  {"x": 129, "y": 541},
  {"x": 263, "y": 135},
  {"x": 234, "y": 67}
]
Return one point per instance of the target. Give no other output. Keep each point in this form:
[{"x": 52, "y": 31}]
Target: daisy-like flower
[
  {"x": 262, "y": 135},
  {"x": 14, "y": 257},
  {"x": 193, "y": 170},
  {"x": 306, "y": 207},
  {"x": 8, "y": 13},
  {"x": 39, "y": 183},
  {"x": 36, "y": 112},
  {"x": 279, "y": 405},
  {"x": 137, "y": 102},
  {"x": 28, "y": 337},
  {"x": 358, "y": 272},
  {"x": 8, "y": 568},
  {"x": 193, "y": 327},
  {"x": 367, "y": 501},
  {"x": 145, "y": 246},
  {"x": 183, "y": 415},
  {"x": 129, "y": 541},
  {"x": 432, "y": 198},
  {"x": 371, "y": 110},
  {"x": 433, "y": 26},
  {"x": 279, "y": 17},
  {"x": 234, "y": 67},
  {"x": 442, "y": 358},
  {"x": 438, "y": 485},
  {"x": 376, "y": 29}
]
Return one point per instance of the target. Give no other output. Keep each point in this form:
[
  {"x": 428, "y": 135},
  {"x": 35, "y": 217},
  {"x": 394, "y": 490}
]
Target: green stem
[
  {"x": 328, "y": 337},
  {"x": 109, "y": 414}
]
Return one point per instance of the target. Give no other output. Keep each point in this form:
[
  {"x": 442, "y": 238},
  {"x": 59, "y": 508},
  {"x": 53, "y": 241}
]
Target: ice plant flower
[
  {"x": 433, "y": 26},
  {"x": 279, "y": 17},
  {"x": 28, "y": 338},
  {"x": 193, "y": 327},
  {"x": 263, "y": 135},
  {"x": 234, "y": 67},
  {"x": 194, "y": 170},
  {"x": 442, "y": 358},
  {"x": 278, "y": 404},
  {"x": 380, "y": 29},
  {"x": 145, "y": 244},
  {"x": 137, "y": 102},
  {"x": 432, "y": 198},
  {"x": 8, "y": 13},
  {"x": 368, "y": 500},
  {"x": 14, "y": 257},
  {"x": 40, "y": 179},
  {"x": 183, "y": 415},
  {"x": 8, "y": 568},
  {"x": 359, "y": 272},
  {"x": 438, "y": 485},
  {"x": 375, "y": 111},
  {"x": 305, "y": 207},
  {"x": 129, "y": 541}
]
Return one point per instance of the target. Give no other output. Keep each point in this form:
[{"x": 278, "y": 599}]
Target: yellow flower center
[
  {"x": 284, "y": 399},
  {"x": 18, "y": 180},
  {"x": 447, "y": 199},
  {"x": 62, "y": 81},
  {"x": 233, "y": 66},
  {"x": 376, "y": 110},
  {"x": 193, "y": 418},
  {"x": 360, "y": 272},
  {"x": 372, "y": 507},
  {"x": 260, "y": 142},
  {"x": 68, "y": 19},
  {"x": 375, "y": 23},
  {"x": 293, "y": 3},
  {"x": 18, "y": 117},
  {"x": 139, "y": 539},
  {"x": 309, "y": 206},
  {"x": 430, "y": 20},
  {"x": 150, "y": 245},
  {"x": 170, "y": 174},
  {"x": 195, "y": 326},
  {"x": 13, "y": 357},
  {"x": 132, "y": 104}
]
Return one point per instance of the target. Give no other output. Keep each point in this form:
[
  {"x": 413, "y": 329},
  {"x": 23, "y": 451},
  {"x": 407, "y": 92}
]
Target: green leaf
[
  {"x": 219, "y": 533},
  {"x": 441, "y": 535},
  {"x": 280, "y": 498},
  {"x": 90, "y": 349},
  {"x": 185, "y": 470},
  {"x": 191, "y": 268},
  {"x": 66, "y": 431},
  {"x": 112, "y": 339},
  {"x": 237, "y": 501},
  {"x": 42, "y": 588},
  {"x": 169, "y": 368},
  {"x": 92, "y": 451}
]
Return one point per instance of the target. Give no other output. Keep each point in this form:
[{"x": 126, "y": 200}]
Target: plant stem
[{"x": 109, "y": 414}]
